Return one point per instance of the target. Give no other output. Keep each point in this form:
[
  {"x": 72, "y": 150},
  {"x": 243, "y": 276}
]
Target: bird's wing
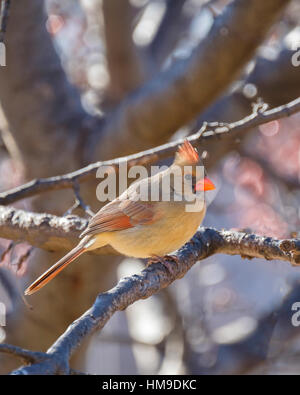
[{"x": 120, "y": 215}]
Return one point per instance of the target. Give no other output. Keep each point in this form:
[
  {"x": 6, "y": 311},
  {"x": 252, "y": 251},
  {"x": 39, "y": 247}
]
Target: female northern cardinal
[{"x": 144, "y": 229}]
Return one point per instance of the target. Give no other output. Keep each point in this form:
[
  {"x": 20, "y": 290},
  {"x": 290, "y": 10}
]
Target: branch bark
[
  {"x": 5, "y": 4},
  {"x": 200, "y": 139},
  {"x": 38, "y": 100},
  {"x": 151, "y": 280},
  {"x": 123, "y": 58},
  {"x": 277, "y": 82},
  {"x": 171, "y": 28},
  {"x": 177, "y": 95},
  {"x": 45, "y": 231},
  {"x": 53, "y": 233}
]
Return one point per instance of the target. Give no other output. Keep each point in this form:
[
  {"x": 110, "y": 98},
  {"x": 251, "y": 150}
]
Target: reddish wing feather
[
  {"x": 188, "y": 153},
  {"x": 120, "y": 215}
]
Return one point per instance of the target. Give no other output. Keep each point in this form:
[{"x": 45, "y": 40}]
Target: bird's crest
[{"x": 186, "y": 154}]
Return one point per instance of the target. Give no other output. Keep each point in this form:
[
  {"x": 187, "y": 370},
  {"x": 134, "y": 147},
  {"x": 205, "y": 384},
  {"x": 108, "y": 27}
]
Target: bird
[{"x": 143, "y": 228}]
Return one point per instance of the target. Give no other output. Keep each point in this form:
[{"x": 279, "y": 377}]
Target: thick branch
[
  {"x": 150, "y": 156},
  {"x": 205, "y": 243},
  {"x": 41, "y": 230},
  {"x": 53, "y": 113},
  {"x": 277, "y": 82},
  {"x": 179, "y": 94},
  {"x": 123, "y": 59},
  {"x": 33, "y": 357}
]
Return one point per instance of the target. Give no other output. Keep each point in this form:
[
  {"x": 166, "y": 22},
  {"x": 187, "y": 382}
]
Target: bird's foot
[{"x": 166, "y": 261}]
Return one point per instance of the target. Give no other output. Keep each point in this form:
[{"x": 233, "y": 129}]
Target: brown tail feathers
[{"x": 54, "y": 270}]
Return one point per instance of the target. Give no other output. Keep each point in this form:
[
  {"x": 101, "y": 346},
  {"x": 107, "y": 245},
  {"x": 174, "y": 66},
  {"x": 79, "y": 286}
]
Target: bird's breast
[{"x": 164, "y": 236}]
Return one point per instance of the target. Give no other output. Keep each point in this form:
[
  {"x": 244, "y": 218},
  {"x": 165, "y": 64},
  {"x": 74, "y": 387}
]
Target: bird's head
[{"x": 188, "y": 161}]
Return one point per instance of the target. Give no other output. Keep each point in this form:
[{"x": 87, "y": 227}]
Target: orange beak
[{"x": 205, "y": 185}]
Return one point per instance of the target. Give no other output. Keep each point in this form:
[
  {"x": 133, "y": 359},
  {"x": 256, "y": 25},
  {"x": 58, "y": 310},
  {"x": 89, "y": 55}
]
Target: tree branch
[
  {"x": 31, "y": 357},
  {"x": 148, "y": 157},
  {"x": 42, "y": 230},
  {"x": 53, "y": 233},
  {"x": 43, "y": 86},
  {"x": 124, "y": 61},
  {"x": 277, "y": 82},
  {"x": 205, "y": 243},
  {"x": 179, "y": 94},
  {"x": 26, "y": 355}
]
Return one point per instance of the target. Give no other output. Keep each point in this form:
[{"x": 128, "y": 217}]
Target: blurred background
[{"x": 69, "y": 67}]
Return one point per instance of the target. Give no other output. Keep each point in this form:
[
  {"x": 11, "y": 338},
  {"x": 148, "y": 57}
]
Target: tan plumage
[{"x": 142, "y": 229}]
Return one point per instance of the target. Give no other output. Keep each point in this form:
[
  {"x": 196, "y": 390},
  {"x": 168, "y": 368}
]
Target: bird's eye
[{"x": 188, "y": 177}]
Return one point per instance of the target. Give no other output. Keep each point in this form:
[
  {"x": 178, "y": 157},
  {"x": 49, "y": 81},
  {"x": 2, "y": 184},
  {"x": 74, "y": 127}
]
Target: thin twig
[
  {"x": 79, "y": 203},
  {"x": 150, "y": 156},
  {"x": 32, "y": 357},
  {"x": 26, "y": 355},
  {"x": 151, "y": 280},
  {"x": 23, "y": 258},
  {"x": 43, "y": 230}
]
